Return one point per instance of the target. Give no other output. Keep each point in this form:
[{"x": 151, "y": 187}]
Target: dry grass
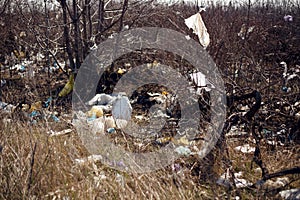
[{"x": 56, "y": 174}]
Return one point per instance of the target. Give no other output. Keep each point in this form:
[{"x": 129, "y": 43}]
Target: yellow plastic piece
[
  {"x": 164, "y": 93},
  {"x": 18, "y": 54},
  {"x": 164, "y": 140},
  {"x": 121, "y": 71},
  {"x": 155, "y": 63},
  {"x": 68, "y": 87},
  {"x": 95, "y": 112},
  {"x": 181, "y": 141},
  {"x": 35, "y": 106}
]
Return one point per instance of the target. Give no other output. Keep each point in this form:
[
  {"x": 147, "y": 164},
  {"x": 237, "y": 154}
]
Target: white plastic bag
[
  {"x": 121, "y": 111},
  {"x": 196, "y": 23}
]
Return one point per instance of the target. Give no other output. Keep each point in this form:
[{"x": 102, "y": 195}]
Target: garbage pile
[
  {"x": 34, "y": 112},
  {"x": 107, "y": 113}
]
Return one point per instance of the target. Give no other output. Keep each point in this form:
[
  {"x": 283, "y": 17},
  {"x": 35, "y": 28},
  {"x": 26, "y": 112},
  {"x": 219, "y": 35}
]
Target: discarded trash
[
  {"x": 56, "y": 119},
  {"x": 6, "y": 107},
  {"x": 280, "y": 182},
  {"x": 3, "y": 82},
  {"x": 176, "y": 167},
  {"x": 140, "y": 117},
  {"x": 111, "y": 130},
  {"x": 68, "y": 87},
  {"x": 22, "y": 34},
  {"x": 245, "y": 148},
  {"x": 181, "y": 141},
  {"x": 121, "y": 71},
  {"x": 201, "y": 82},
  {"x": 95, "y": 112},
  {"x": 46, "y": 103},
  {"x": 92, "y": 158},
  {"x": 153, "y": 64},
  {"x": 187, "y": 37},
  {"x": 163, "y": 140},
  {"x": 34, "y": 114},
  {"x": 290, "y": 194},
  {"x": 244, "y": 32},
  {"x": 196, "y": 23},
  {"x": 120, "y": 179},
  {"x": 181, "y": 150},
  {"x": 59, "y": 133},
  {"x": 122, "y": 111},
  {"x": 97, "y": 125},
  {"x": 36, "y": 106},
  {"x": 225, "y": 180},
  {"x": 102, "y": 99},
  {"x": 109, "y": 122},
  {"x": 286, "y": 89},
  {"x": 22, "y": 68},
  {"x": 199, "y": 78},
  {"x": 288, "y": 18},
  {"x": 159, "y": 114}
]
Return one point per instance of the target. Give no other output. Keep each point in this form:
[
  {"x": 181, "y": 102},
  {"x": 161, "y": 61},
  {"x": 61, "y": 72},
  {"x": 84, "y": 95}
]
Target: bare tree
[{"x": 67, "y": 34}]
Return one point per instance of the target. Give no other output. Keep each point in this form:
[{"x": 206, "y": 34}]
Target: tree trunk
[
  {"x": 85, "y": 36},
  {"x": 67, "y": 34},
  {"x": 76, "y": 34},
  {"x": 101, "y": 16},
  {"x": 125, "y": 4}
]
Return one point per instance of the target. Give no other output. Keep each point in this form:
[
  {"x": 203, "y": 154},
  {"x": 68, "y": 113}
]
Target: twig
[
  {"x": 295, "y": 170},
  {"x": 31, "y": 168},
  {"x": 257, "y": 155}
]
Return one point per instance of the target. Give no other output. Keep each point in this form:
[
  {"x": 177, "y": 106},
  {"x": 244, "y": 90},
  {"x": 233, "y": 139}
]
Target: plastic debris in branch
[
  {"x": 244, "y": 32},
  {"x": 47, "y": 103},
  {"x": 3, "y": 82},
  {"x": 201, "y": 82},
  {"x": 196, "y": 23},
  {"x": 288, "y": 18},
  {"x": 288, "y": 75},
  {"x": 6, "y": 107}
]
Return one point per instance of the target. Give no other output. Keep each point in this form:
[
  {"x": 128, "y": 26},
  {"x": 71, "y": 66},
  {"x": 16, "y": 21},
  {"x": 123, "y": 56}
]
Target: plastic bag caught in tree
[
  {"x": 68, "y": 87},
  {"x": 196, "y": 23}
]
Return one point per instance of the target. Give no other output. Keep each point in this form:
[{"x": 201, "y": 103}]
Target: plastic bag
[
  {"x": 122, "y": 111},
  {"x": 68, "y": 87},
  {"x": 196, "y": 23}
]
